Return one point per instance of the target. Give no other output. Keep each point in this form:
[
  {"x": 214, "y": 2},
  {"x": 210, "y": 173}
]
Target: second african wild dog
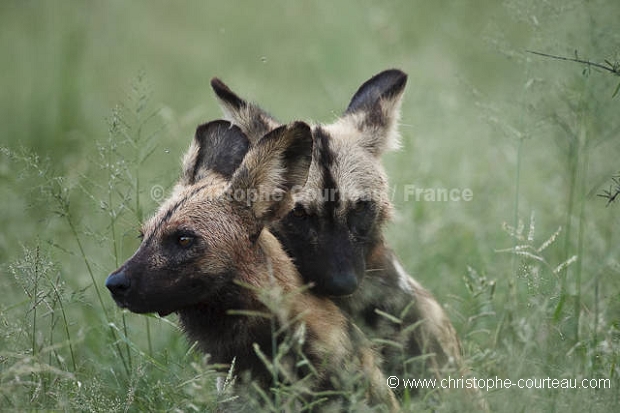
[
  {"x": 334, "y": 232},
  {"x": 205, "y": 254}
]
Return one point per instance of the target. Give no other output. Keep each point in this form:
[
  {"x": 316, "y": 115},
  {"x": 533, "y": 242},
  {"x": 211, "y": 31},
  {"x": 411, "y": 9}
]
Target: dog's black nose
[
  {"x": 342, "y": 284},
  {"x": 118, "y": 283}
]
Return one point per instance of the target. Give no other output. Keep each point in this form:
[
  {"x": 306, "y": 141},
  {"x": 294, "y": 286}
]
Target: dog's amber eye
[
  {"x": 360, "y": 206},
  {"x": 299, "y": 212},
  {"x": 185, "y": 241}
]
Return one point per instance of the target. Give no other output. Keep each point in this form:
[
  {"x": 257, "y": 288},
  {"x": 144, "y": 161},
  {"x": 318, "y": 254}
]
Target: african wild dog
[
  {"x": 334, "y": 231},
  {"x": 207, "y": 256}
]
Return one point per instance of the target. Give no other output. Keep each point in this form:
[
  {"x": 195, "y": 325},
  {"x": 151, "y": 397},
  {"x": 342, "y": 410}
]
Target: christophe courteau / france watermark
[
  {"x": 413, "y": 193},
  {"x": 405, "y": 193}
]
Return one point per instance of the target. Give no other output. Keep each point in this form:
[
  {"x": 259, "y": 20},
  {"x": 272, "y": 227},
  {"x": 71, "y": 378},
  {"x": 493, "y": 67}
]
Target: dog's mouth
[
  {"x": 123, "y": 303},
  {"x": 165, "y": 313},
  {"x": 120, "y": 302}
]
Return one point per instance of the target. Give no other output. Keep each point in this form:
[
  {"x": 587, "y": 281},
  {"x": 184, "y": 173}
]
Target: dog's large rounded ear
[
  {"x": 384, "y": 87},
  {"x": 374, "y": 110},
  {"x": 253, "y": 121},
  {"x": 218, "y": 148},
  {"x": 275, "y": 166}
]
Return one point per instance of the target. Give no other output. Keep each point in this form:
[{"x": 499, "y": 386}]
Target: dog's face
[
  {"x": 203, "y": 237},
  {"x": 338, "y": 216},
  {"x": 186, "y": 255}
]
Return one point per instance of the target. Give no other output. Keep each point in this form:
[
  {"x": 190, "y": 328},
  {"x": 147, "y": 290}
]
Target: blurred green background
[{"x": 108, "y": 94}]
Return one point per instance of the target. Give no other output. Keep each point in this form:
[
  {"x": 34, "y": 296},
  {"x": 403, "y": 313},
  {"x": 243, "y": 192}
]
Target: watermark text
[
  {"x": 496, "y": 383},
  {"x": 417, "y": 194}
]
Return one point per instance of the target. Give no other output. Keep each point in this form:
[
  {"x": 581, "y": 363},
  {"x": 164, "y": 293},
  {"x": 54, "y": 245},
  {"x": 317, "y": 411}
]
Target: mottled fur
[
  {"x": 206, "y": 255},
  {"x": 337, "y": 242}
]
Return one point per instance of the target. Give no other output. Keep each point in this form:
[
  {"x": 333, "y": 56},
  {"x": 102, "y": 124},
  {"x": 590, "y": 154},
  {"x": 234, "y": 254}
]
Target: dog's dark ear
[
  {"x": 218, "y": 148},
  {"x": 374, "y": 110},
  {"x": 252, "y": 120},
  {"x": 277, "y": 165},
  {"x": 386, "y": 86}
]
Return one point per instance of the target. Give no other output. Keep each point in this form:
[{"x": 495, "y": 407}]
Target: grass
[{"x": 100, "y": 100}]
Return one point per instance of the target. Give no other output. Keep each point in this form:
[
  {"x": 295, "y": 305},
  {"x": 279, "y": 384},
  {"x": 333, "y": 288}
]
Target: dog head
[
  {"x": 204, "y": 237},
  {"x": 337, "y": 218}
]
